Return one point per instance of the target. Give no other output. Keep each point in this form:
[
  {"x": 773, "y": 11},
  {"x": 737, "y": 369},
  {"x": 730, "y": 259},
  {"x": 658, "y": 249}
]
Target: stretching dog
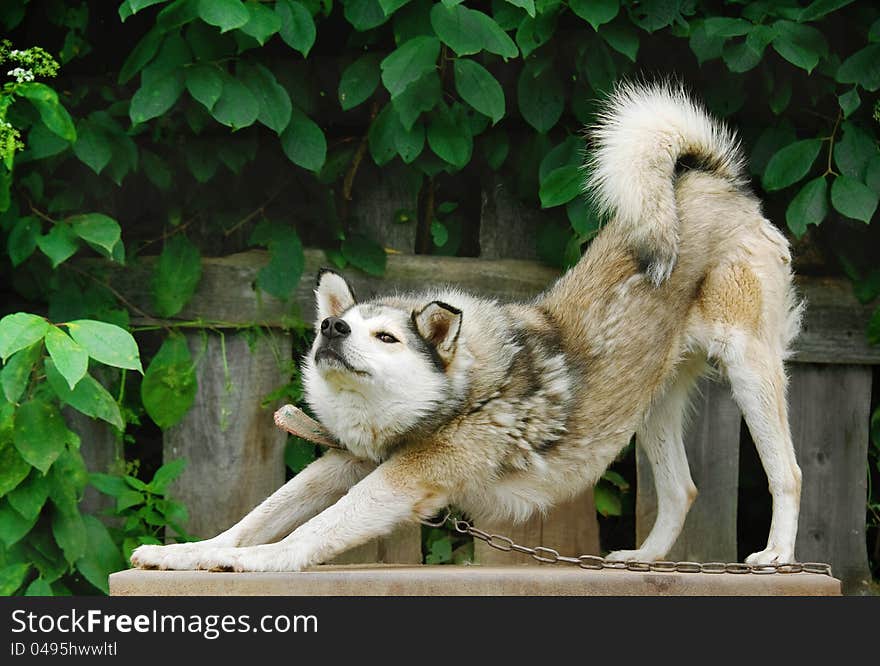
[{"x": 502, "y": 410}]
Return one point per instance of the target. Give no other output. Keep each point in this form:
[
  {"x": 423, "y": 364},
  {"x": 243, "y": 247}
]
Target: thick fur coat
[{"x": 502, "y": 410}]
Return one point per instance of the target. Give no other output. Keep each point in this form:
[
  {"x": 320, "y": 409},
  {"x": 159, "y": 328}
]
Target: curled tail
[{"x": 641, "y": 134}]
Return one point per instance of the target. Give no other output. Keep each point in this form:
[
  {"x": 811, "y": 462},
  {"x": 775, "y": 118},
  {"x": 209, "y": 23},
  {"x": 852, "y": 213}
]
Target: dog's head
[{"x": 381, "y": 369}]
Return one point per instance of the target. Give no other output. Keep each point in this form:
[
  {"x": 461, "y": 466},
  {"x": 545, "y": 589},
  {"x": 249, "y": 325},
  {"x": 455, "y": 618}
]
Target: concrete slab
[{"x": 426, "y": 580}]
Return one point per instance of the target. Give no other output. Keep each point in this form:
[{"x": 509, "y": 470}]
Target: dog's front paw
[
  {"x": 258, "y": 558},
  {"x": 172, "y": 556},
  {"x": 771, "y": 556},
  {"x": 637, "y": 555}
]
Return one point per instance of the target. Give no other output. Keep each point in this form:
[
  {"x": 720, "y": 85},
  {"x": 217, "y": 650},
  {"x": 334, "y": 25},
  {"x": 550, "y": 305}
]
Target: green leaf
[
  {"x": 809, "y": 206},
  {"x": 606, "y": 500},
  {"x": 409, "y": 62},
  {"x": 263, "y": 22},
  {"x": 872, "y": 174},
  {"x": 791, "y": 164},
  {"x": 391, "y": 6},
  {"x": 12, "y": 577},
  {"x": 236, "y": 107},
  {"x": 12, "y": 525},
  {"x": 849, "y": 102},
  {"x": 541, "y": 97},
  {"x": 225, "y": 14},
  {"x": 622, "y": 38},
  {"x": 528, "y": 5},
  {"x": 479, "y": 88},
  {"x": 703, "y": 45},
  {"x": 359, "y": 81},
  {"x": 780, "y": 97},
  {"x": 741, "y": 57},
  {"x": 88, "y": 397},
  {"x": 303, "y": 142},
  {"x": 820, "y": 8},
  {"x": 108, "y": 484},
  {"x": 20, "y": 330},
  {"x": 69, "y": 531},
  {"x": 16, "y": 373},
  {"x": 101, "y": 556},
  {"x": 561, "y": 186},
  {"x": 169, "y": 385},
  {"x": 468, "y": 31},
  {"x": 39, "y": 588},
  {"x": 42, "y": 143},
  {"x": 106, "y": 343},
  {"x": 862, "y": 67},
  {"x": 205, "y": 84},
  {"x": 13, "y": 468},
  {"x": 439, "y": 233},
  {"x": 854, "y": 150},
  {"x": 801, "y": 45},
  {"x": 652, "y": 15},
  {"x": 381, "y": 135},
  {"x": 59, "y": 244},
  {"x": 363, "y": 253},
  {"x": 70, "y": 359},
  {"x": 768, "y": 143},
  {"x": 297, "y": 25},
  {"x": 419, "y": 96},
  {"x": 533, "y": 33},
  {"x": 409, "y": 143},
  {"x": 39, "y": 433},
  {"x": 286, "y": 260},
  {"x": 595, "y": 12},
  {"x": 176, "y": 14},
  {"x": 68, "y": 477},
  {"x": 97, "y": 230},
  {"x": 451, "y": 141},
  {"x": 165, "y": 475},
  {"x": 156, "y": 97},
  {"x": 721, "y": 26},
  {"x": 141, "y": 54},
  {"x": 853, "y": 198},
  {"x": 495, "y": 146},
  {"x": 22, "y": 241},
  {"x": 52, "y": 113},
  {"x": 552, "y": 241},
  {"x": 582, "y": 217},
  {"x": 364, "y": 14},
  {"x": 29, "y": 497},
  {"x": 599, "y": 67},
  {"x": 137, "y": 5},
  {"x": 298, "y": 453},
  {"x": 93, "y": 146},
  {"x": 176, "y": 276},
  {"x": 275, "y": 106}
]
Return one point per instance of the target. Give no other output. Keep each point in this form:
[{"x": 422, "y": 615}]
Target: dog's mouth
[{"x": 327, "y": 356}]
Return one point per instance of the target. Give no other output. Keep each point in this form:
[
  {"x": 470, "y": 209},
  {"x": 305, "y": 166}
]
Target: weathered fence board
[
  {"x": 234, "y": 451},
  {"x": 830, "y": 410},
  {"x": 712, "y": 443},
  {"x": 507, "y": 228},
  {"x": 834, "y": 323},
  {"x": 570, "y": 528}
]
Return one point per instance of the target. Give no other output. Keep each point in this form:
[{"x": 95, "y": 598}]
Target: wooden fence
[{"x": 236, "y": 454}]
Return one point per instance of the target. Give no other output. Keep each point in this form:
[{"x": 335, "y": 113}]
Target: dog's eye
[{"x": 387, "y": 337}]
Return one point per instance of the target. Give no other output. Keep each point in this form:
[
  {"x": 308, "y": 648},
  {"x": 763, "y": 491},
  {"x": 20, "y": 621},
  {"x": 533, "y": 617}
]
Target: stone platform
[{"x": 427, "y": 580}]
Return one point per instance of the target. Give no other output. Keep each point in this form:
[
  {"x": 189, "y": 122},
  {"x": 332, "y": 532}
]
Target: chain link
[{"x": 597, "y": 563}]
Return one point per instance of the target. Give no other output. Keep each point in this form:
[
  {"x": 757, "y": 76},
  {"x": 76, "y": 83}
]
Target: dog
[{"x": 445, "y": 398}]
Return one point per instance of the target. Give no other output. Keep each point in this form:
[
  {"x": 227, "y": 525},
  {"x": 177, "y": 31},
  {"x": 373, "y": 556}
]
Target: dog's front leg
[
  {"x": 312, "y": 490},
  {"x": 372, "y": 508}
]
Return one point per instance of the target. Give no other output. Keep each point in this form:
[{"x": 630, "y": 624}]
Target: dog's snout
[{"x": 334, "y": 327}]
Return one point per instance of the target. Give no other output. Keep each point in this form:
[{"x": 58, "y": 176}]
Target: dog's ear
[
  {"x": 333, "y": 295},
  {"x": 439, "y": 324}
]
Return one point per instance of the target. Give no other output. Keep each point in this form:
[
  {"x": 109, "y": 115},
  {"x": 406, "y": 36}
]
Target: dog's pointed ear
[
  {"x": 333, "y": 295},
  {"x": 439, "y": 324}
]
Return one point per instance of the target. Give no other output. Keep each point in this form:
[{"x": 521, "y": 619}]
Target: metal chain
[{"x": 551, "y": 556}]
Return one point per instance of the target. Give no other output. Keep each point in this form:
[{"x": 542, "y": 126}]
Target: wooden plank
[
  {"x": 570, "y": 528},
  {"x": 834, "y": 323},
  {"x": 377, "y": 195},
  {"x": 403, "y": 546},
  {"x": 234, "y": 451},
  {"x": 830, "y": 409},
  {"x": 101, "y": 450},
  {"x": 507, "y": 228},
  {"x": 712, "y": 444},
  {"x": 452, "y": 580}
]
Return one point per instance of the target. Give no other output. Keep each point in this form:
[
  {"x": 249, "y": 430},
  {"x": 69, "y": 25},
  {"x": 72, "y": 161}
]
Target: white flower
[{"x": 21, "y": 74}]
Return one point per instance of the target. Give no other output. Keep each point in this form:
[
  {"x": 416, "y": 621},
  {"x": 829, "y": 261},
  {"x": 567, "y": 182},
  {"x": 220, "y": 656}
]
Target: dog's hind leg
[
  {"x": 758, "y": 381},
  {"x": 661, "y": 438},
  {"x": 308, "y": 493}
]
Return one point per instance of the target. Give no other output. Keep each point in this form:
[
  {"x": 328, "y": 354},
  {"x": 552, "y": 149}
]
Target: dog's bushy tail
[{"x": 642, "y": 133}]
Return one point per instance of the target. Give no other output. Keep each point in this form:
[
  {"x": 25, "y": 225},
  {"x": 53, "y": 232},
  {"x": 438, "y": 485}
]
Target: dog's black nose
[{"x": 334, "y": 327}]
